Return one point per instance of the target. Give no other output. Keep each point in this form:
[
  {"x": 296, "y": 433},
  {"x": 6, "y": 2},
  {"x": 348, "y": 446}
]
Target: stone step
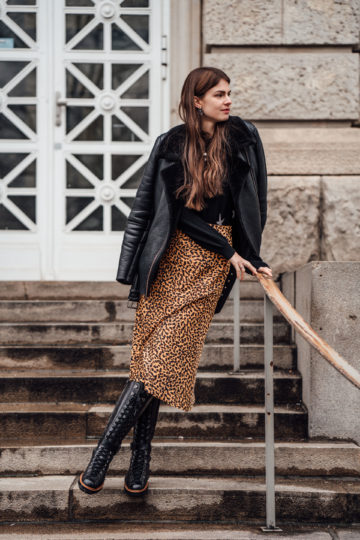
[
  {"x": 250, "y": 288},
  {"x": 245, "y": 387},
  {"x": 187, "y": 457},
  {"x": 121, "y": 333},
  {"x": 214, "y": 357},
  {"x": 115, "y": 530},
  {"x": 102, "y": 311},
  {"x": 219, "y": 499},
  {"x": 72, "y": 422}
]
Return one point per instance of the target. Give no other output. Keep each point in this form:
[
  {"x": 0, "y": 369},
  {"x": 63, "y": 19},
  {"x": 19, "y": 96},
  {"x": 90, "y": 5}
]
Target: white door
[{"x": 84, "y": 93}]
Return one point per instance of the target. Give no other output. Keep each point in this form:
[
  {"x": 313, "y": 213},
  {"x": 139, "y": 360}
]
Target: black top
[{"x": 220, "y": 210}]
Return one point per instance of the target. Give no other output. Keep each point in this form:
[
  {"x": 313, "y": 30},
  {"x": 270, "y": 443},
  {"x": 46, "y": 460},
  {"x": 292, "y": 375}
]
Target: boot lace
[
  {"x": 100, "y": 460},
  {"x": 140, "y": 459}
]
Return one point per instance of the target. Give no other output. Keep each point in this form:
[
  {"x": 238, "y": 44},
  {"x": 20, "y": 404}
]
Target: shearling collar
[{"x": 171, "y": 146}]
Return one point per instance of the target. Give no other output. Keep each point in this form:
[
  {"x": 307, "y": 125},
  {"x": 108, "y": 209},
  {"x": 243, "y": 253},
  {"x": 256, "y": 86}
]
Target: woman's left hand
[{"x": 266, "y": 271}]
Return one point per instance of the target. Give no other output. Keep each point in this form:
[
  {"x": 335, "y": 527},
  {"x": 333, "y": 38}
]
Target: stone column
[
  {"x": 327, "y": 296},
  {"x": 185, "y": 51}
]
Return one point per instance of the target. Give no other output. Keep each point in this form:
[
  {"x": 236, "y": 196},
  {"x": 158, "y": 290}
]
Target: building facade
[{"x": 87, "y": 85}]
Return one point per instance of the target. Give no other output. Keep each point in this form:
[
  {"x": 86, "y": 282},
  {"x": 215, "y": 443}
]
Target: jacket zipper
[
  {"x": 152, "y": 264},
  {"x": 251, "y": 173},
  {"x": 253, "y": 179}
]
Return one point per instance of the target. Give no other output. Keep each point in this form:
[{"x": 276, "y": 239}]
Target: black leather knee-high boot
[
  {"x": 136, "y": 479},
  {"x": 131, "y": 404}
]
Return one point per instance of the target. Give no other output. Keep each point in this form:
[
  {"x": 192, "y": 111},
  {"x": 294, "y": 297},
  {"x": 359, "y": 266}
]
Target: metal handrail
[
  {"x": 274, "y": 297},
  {"x": 306, "y": 331}
]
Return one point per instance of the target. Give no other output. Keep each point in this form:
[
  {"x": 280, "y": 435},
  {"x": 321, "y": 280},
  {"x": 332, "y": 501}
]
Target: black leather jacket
[{"x": 155, "y": 211}]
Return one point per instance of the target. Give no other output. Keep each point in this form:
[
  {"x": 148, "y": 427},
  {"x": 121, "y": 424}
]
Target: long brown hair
[{"x": 201, "y": 179}]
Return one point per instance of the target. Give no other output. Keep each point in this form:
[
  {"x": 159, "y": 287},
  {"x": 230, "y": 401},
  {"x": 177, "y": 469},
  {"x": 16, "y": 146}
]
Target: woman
[{"x": 195, "y": 226}]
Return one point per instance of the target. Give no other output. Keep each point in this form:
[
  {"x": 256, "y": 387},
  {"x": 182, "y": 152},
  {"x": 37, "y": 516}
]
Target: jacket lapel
[
  {"x": 171, "y": 171},
  {"x": 173, "y": 176}
]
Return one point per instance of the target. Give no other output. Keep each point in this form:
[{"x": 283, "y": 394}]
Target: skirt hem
[{"x": 152, "y": 390}]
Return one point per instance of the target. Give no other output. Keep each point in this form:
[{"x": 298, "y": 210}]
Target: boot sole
[
  {"x": 136, "y": 492},
  {"x": 87, "y": 489}
]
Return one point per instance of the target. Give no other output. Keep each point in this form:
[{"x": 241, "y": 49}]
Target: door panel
[{"x": 76, "y": 114}]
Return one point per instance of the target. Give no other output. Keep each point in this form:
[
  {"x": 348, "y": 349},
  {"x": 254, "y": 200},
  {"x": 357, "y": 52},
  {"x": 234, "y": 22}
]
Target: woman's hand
[
  {"x": 240, "y": 264},
  {"x": 266, "y": 271}
]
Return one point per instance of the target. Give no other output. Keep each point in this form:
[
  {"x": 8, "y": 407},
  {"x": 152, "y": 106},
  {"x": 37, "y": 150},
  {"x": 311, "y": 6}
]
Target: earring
[{"x": 201, "y": 112}]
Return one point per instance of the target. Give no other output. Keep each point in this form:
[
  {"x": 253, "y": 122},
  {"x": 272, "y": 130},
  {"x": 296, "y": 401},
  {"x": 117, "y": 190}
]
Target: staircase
[{"x": 64, "y": 360}]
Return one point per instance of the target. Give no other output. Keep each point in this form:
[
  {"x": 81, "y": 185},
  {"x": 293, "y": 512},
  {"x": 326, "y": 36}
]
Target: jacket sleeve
[
  {"x": 138, "y": 221},
  {"x": 205, "y": 235},
  {"x": 261, "y": 178},
  {"x": 256, "y": 261}
]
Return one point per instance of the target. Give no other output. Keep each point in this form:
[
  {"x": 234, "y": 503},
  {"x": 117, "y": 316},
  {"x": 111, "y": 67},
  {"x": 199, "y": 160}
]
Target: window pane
[
  {"x": 75, "y": 180},
  {"x": 26, "y": 21},
  {"x": 135, "y": 3},
  {"x": 9, "y": 222},
  {"x": 121, "y": 41},
  {"x": 93, "y": 132},
  {"x": 94, "y": 222},
  {"x": 75, "y": 89},
  {"x": 74, "y": 205},
  {"x": 5, "y": 32},
  {"x": 121, "y": 72},
  {"x": 21, "y": 2},
  {"x": 94, "y": 72},
  {"x": 26, "y": 87},
  {"x": 140, "y": 115},
  {"x": 94, "y": 162},
  {"x": 27, "y": 178},
  {"x": 139, "y": 23},
  {"x": 27, "y": 113},
  {"x": 8, "y": 130},
  {"x": 26, "y": 203},
  {"x": 139, "y": 90},
  {"x": 9, "y": 161},
  {"x": 120, "y": 132},
  {"x": 79, "y": 3},
  {"x": 8, "y": 70},
  {"x": 120, "y": 163}
]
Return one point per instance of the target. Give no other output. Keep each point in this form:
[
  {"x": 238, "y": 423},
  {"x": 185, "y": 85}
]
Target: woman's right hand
[{"x": 240, "y": 264}]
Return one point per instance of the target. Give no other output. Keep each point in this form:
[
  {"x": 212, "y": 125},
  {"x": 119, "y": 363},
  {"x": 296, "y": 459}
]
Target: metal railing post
[
  {"x": 269, "y": 417},
  {"x": 236, "y": 293},
  {"x": 273, "y": 296}
]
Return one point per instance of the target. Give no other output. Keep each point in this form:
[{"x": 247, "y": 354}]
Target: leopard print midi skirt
[{"x": 172, "y": 322}]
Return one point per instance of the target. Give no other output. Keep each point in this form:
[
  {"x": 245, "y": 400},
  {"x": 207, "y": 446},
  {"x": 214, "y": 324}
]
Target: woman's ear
[{"x": 197, "y": 102}]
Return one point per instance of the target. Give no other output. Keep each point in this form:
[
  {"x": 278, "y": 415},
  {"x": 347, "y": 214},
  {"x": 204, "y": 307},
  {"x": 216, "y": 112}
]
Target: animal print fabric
[{"x": 172, "y": 322}]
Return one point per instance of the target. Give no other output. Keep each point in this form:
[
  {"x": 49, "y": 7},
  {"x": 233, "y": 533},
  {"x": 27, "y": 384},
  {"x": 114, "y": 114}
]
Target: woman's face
[{"x": 216, "y": 102}]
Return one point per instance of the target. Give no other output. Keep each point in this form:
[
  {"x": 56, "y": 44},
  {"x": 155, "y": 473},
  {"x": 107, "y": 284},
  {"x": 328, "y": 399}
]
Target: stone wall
[
  {"x": 331, "y": 305},
  {"x": 294, "y": 69}
]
